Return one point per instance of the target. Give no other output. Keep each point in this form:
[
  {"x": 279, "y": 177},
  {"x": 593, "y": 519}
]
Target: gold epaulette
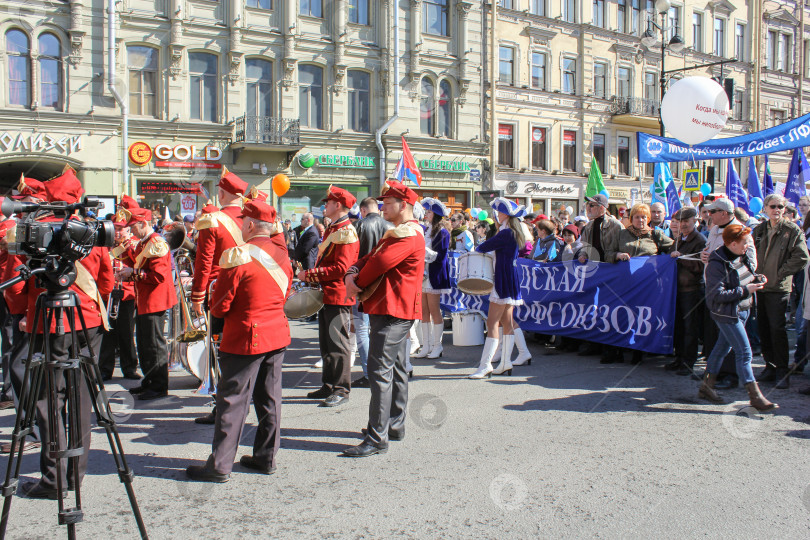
[
  {"x": 118, "y": 250},
  {"x": 402, "y": 231},
  {"x": 235, "y": 256},
  {"x": 207, "y": 221},
  {"x": 155, "y": 247},
  {"x": 345, "y": 235}
]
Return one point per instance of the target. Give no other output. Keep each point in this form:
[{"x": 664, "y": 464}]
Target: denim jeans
[
  {"x": 732, "y": 336},
  {"x": 361, "y": 331},
  {"x": 801, "y": 334}
]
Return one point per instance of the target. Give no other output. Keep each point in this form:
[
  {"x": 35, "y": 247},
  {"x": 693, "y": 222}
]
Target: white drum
[
  {"x": 468, "y": 329},
  {"x": 476, "y": 273},
  {"x": 194, "y": 357}
]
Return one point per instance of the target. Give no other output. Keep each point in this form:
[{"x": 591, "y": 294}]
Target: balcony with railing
[
  {"x": 267, "y": 130},
  {"x": 636, "y": 112}
]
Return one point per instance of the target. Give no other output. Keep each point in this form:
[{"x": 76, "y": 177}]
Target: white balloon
[{"x": 694, "y": 110}]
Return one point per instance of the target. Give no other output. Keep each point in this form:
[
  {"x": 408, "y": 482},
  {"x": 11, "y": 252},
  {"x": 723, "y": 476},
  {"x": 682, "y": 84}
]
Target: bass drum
[
  {"x": 194, "y": 357},
  {"x": 304, "y": 301},
  {"x": 476, "y": 273}
]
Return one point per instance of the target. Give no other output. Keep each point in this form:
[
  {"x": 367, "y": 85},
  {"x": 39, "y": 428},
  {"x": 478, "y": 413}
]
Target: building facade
[{"x": 261, "y": 87}]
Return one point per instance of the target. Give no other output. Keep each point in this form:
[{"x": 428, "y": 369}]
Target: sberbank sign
[
  {"x": 444, "y": 166},
  {"x": 345, "y": 162}
]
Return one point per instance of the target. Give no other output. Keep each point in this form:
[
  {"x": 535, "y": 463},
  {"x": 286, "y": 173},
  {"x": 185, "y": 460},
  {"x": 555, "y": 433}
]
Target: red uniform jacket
[
  {"x": 97, "y": 264},
  {"x": 251, "y": 299},
  {"x": 218, "y": 231},
  {"x": 17, "y": 302},
  {"x": 127, "y": 286},
  {"x": 336, "y": 254},
  {"x": 154, "y": 287},
  {"x": 392, "y": 273}
]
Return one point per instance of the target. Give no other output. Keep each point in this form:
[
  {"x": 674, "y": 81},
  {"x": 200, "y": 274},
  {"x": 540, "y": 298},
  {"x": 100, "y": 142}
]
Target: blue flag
[
  {"x": 754, "y": 189},
  {"x": 663, "y": 177},
  {"x": 673, "y": 200},
  {"x": 734, "y": 188},
  {"x": 797, "y": 177},
  {"x": 767, "y": 179}
]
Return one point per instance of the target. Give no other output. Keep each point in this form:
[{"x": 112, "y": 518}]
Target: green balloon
[{"x": 482, "y": 215}]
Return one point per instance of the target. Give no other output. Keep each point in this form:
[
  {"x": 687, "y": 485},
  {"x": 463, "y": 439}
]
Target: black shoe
[
  {"x": 684, "y": 370},
  {"x": 251, "y": 463},
  {"x": 137, "y": 390},
  {"x": 132, "y": 376},
  {"x": 321, "y": 393},
  {"x": 727, "y": 383},
  {"x": 767, "y": 375},
  {"x": 208, "y": 419},
  {"x": 35, "y": 490},
  {"x": 365, "y": 449},
  {"x": 392, "y": 435},
  {"x": 362, "y": 382},
  {"x": 311, "y": 318},
  {"x": 782, "y": 379},
  {"x": 674, "y": 366},
  {"x": 805, "y": 392},
  {"x": 149, "y": 395},
  {"x": 410, "y": 374},
  {"x": 202, "y": 474},
  {"x": 334, "y": 400}
]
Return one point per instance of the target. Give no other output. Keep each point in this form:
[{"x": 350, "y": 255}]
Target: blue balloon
[
  {"x": 605, "y": 193},
  {"x": 755, "y": 205},
  {"x": 705, "y": 189}
]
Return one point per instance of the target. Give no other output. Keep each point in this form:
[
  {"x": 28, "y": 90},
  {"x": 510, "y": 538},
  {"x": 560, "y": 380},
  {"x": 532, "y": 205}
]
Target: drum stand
[{"x": 41, "y": 374}]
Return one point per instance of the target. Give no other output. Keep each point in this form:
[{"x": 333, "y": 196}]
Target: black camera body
[{"x": 56, "y": 244}]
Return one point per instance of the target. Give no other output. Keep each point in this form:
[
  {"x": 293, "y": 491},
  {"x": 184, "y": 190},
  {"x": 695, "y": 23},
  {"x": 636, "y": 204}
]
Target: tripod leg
[
  {"x": 26, "y": 417},
  {"x": 104, "y": 416}
]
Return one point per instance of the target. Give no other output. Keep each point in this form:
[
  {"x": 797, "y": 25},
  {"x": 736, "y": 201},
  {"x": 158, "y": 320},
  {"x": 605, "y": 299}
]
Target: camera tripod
[{"x": 44, "y": 371}]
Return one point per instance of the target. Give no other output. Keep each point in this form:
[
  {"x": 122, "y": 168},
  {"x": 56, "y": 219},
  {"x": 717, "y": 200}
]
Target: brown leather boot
[
  {"x": 758, "y": 401},
  {"x": 706, "y": 390}
]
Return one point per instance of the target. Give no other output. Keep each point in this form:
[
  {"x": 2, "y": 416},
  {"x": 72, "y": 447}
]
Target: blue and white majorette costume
[
  {"x": 505, "y": 248},
  {"x": 438, "y": 267}
]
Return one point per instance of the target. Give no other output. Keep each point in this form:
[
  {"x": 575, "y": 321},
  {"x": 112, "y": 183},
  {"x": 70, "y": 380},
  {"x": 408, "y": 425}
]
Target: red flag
[{"x": 409, "y": 168}]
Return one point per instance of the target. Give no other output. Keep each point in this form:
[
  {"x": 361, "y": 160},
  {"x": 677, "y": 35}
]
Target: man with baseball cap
[
  {"x": 253, "y": 284},
  {"x": 388, "y": 282},
  {"x": 149, "y": 265},
  {"x": 336, "y": 254}
]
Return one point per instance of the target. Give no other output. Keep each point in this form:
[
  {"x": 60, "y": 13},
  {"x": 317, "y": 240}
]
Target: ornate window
[
  {"x": 142, "y": 63},
  {"x": 435, "y": 17},
  {"x": 50, "y": 71},
  {"x": 310, "y": 96},
  {"x": 436, "y": 110},
  {"x": 359, "y": 83},
  {"x": 18, "y": 50},
  {"x": 203, "y": 69},
  {"x": 427, "y": 107},
  {"x": 259, "y": 75}
]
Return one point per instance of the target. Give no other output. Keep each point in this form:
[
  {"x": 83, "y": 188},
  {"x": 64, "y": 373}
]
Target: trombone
[{"x": 213, "y": 340}]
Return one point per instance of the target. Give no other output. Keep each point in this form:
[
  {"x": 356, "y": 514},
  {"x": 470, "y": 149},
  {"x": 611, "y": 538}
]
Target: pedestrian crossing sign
[{"x": 691, "y": 180}]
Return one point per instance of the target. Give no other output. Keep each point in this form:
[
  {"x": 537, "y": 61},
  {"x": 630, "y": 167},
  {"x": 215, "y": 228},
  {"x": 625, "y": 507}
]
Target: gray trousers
[
  {"x": 387, "y": 377},
  {"x": 243, "y": 376},
  {"x": 334, "y": 323}
]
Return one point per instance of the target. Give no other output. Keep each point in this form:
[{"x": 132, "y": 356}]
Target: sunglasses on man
[{"x": 775, "y": 206}]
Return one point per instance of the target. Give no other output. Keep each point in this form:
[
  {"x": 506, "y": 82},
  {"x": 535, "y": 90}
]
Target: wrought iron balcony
[
  {"x": 635, "y": 106},
  {"x": 267, "y": 130}
]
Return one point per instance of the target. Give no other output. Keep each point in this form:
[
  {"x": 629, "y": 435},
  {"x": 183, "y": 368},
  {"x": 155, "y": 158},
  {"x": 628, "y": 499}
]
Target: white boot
[
  {"x": 424, "y": 340},
  {"x": 524, "y": 356},
  {"x": 485, "y": 367},
  {"x": 436, "y": 342},
  {"x": 414, "y": 333},
  {"x": 319, "y": 363},
  {"x": 498, "y": 349},
  {"x": 352, "y": 348},
  {"x": 506, "y": 366},
  {"x": 408, "y": 365}
]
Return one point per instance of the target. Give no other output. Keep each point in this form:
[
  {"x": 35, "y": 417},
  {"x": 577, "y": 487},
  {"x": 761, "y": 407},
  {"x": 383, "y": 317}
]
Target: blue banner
[
  {"x": 787, "y": 136},
  {"x": 627, "y": 304}
]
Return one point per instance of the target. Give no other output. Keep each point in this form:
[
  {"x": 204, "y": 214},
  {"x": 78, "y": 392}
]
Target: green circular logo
[{"x": 306, "y": 160}]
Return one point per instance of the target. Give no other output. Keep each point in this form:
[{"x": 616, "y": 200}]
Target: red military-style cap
[
  {"x": 28, "y": 187},
  {"x": 139, "y": 214},
  {"x": 65, "y": 187},
  {"x": 128, "y": 202},
  {"x": 6, "y": 226},
  {"x": 260, "y": 211},
  {"x": 340, "y": 195},
  {"x": 232, "y": 183},
  {"x": 255, "y": 195},
  {"x": 400, "y": 191}
]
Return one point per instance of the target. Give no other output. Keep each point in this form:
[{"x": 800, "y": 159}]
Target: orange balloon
[
  {"x": 281, "y": 184},
  {"x": 468, "y": 211}
]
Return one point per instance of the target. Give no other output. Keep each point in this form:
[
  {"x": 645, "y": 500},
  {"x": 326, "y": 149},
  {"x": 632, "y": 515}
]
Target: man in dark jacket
[
  {"x": 306, "y": 251},
  {"x": 690, "y": 296},
  {"x": 370, "y": 229},
  {"x": 781, "y": 252}
]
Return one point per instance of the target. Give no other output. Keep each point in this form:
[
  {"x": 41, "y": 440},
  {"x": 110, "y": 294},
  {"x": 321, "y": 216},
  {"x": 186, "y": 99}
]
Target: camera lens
[{"x": 105, "y": 234}]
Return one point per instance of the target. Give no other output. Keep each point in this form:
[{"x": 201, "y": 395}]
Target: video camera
[{"x": 54, "y": 246}]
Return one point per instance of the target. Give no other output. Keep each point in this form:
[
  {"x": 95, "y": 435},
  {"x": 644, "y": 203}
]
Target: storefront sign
[
  {"x": 346, "y": 162},
  {"x": 444, "y": 166},
  {"x": 183, "y": 155},
  {"x": 188, "y": 205},
  {"x": 140, "y": 153},
  {"x": 168, "y": 187},
  {"x": 540, "y": 188},
  {"x": 187, "y": 165},
  {"x": 40, "y": 142}
]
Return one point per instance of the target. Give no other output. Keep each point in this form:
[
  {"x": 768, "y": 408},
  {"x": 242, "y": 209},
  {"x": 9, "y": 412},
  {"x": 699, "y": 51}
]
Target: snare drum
[
  {"x": 476, "y": 273},
  {"x": 468, "y": 329},
  {"x": 194, "y": 357},
  {"x": 304, "y": 301}
]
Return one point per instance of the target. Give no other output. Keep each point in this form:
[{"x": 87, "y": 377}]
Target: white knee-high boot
[
  {"x": 415, "y": 335},
  {"x": 436, "y": 342},
  {"x": 484, "y": 370},
  {"x": 524, "y": 356},
  {"x": 424, "y": 340},
  {"x": 408, "y": 366},
  {"x": 352, "y": 348},
  {"x": 498, "y": 349},
  {"x": 506, "y": 366}
]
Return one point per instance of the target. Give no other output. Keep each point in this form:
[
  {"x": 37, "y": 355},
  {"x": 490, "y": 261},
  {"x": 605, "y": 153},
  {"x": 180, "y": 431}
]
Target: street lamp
[{"x": 676, "y": 43}]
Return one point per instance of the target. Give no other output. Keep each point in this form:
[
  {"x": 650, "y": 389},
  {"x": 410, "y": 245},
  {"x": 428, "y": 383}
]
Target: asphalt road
[{"x": 566, "y": 447}]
